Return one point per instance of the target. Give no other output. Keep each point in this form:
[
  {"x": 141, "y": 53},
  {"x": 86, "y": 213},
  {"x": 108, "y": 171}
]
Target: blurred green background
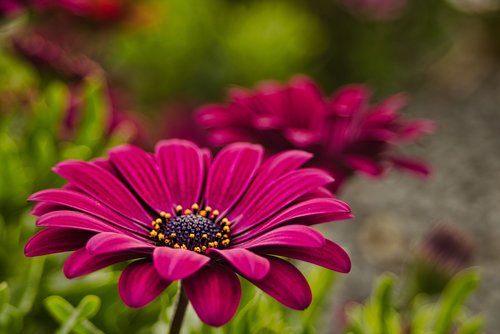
[{"x": 127, "y": 79}]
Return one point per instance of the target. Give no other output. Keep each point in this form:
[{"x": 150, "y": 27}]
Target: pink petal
[
  {"x": 414, "y": 129},
  {"x": 231, "y": 172},
  {"x": 173, "y": 264},
  {"x": 219, "y": 137},
  {"x": 320, "y": 192},
  {"x": 378, "y": 135},
  {"x": 104, "y": 186},
  {"x": 273, "y": 168},
  {"x": 364, "y": 165},
  {"x": 278, "y": 195},
  {"x": 330, "y": 256},
  {"x": 246, "y": 262},
  {"x": 327, "y": 208},
  {"x": 286, "y": 284},
  {"x": 292, "y": 235},
  {"x": 181, "y": 163},
  {"x": 143, "y": 175},
  {"x": 216, "y": 116},
  {"x": 305, "y": 103},
  {"x": 140, "y": 284},
  {"x": 39, "y": 209},
  {"x": 82, "y": 262},
  {"x": 301, "y": 138},
  {"x": 76, "y": 220},
  {"x": 215, "y": 294},
  {"x": 109, "y": 242},
  {"x": 56, "y": 240},
  {"x": 82, "y": 202},
  {"x": 320, "y": 219},
  {"x": 412, "y": 165},
  {"x": 349, "y": 100}
]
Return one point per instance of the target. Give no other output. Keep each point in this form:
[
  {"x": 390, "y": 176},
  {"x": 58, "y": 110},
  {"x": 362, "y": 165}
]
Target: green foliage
[
  {"x": 198, "y": 48},
  {"x": 74, "y": 320},
  {"x": 259, "y": 313},
  {"x": 382, "y": 314},
  {"x": 32, "y": 141}
]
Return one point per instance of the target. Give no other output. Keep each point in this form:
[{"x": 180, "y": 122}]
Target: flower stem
[{"x": 180, "y": 311}]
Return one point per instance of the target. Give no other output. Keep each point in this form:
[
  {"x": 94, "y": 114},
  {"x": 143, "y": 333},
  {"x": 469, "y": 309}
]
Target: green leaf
[
  {"x": 89, "y": 306},
  {"x": 71, "y": 318},
  {"x": 59, "y": 308},
  {"x": 56, "y": 104},
  {"x": 94, "y": 115},
  {"x": 4, "y": 296},
  {"x": 383, "y": 301},
  {"x": 321, "y": 282},
  {"x": 453, "y": 299},
  {"x": 473, "y": 325},
  {"x": 32, "y": 284},
  {"x": 422, "y": 317}
]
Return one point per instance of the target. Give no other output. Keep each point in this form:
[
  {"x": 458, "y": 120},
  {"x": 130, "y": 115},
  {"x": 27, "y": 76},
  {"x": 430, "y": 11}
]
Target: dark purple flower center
[{"x": 192, "y": 229}]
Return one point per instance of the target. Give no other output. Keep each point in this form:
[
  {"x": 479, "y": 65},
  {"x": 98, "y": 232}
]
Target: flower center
[{"x": 192, "y": 229}]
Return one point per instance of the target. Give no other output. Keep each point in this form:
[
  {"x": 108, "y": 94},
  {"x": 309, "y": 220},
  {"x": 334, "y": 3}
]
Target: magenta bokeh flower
[
  {"x": 182, "y": 215},
  {"x": 344, "y": 133},
  {"x": 11, "y": 7},
  {"x": 48, "y": 54},
  {"x": 96, "y": 10}
]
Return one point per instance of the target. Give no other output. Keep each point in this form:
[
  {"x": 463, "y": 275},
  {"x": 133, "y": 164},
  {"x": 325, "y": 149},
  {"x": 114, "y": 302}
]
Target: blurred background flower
[{"x": 345, "y": 133}]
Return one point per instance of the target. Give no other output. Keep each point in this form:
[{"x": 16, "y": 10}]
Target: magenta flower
[
  {"x": 11, "y": 7},
  {"x": 47, "y": 53},
  {"x": 182, "y": 215},
  {"x": 344, "y": 133},
  {"x": 97, "y": 10}
]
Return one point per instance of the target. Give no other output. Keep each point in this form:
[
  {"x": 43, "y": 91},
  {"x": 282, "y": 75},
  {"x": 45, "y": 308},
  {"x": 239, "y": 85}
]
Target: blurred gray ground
[{"x": 393, "y": 214}]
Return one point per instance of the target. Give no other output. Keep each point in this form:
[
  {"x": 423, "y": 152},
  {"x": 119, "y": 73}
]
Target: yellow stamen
[
  {"x": 153, "y": 234},
  {"x": 218, "y": 235},
  {"x": 225, "y": 242},
  {"x": 215, "y": 213},
  {"x": 226, "y": 229},
  {"x": 210, "y": 244},
  {"x": 173, "y": 235},
  {"x": 178, "y": 208},
  {"x": 195, "y": 207},
  {"x": 161, "y": 236},
  {"x": 157, "y": 227},
  {"x": 191, "y": 236},
  {"x": 208, "y": 209},
  {"x": 158, "y": 221},
  {"x": 167, "y": 241},
  {"x": 183, "y": 246},
  {"x": 197, "y": 249},
  {"x": 203, "y": 213},
  {"x": 177, "y": 246},
  {"x": 204, "y": 236},
  {"x": 216, "y": 243},
  {"x": 188, "y": 212},
  {"x": 203, "y": 248}
]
